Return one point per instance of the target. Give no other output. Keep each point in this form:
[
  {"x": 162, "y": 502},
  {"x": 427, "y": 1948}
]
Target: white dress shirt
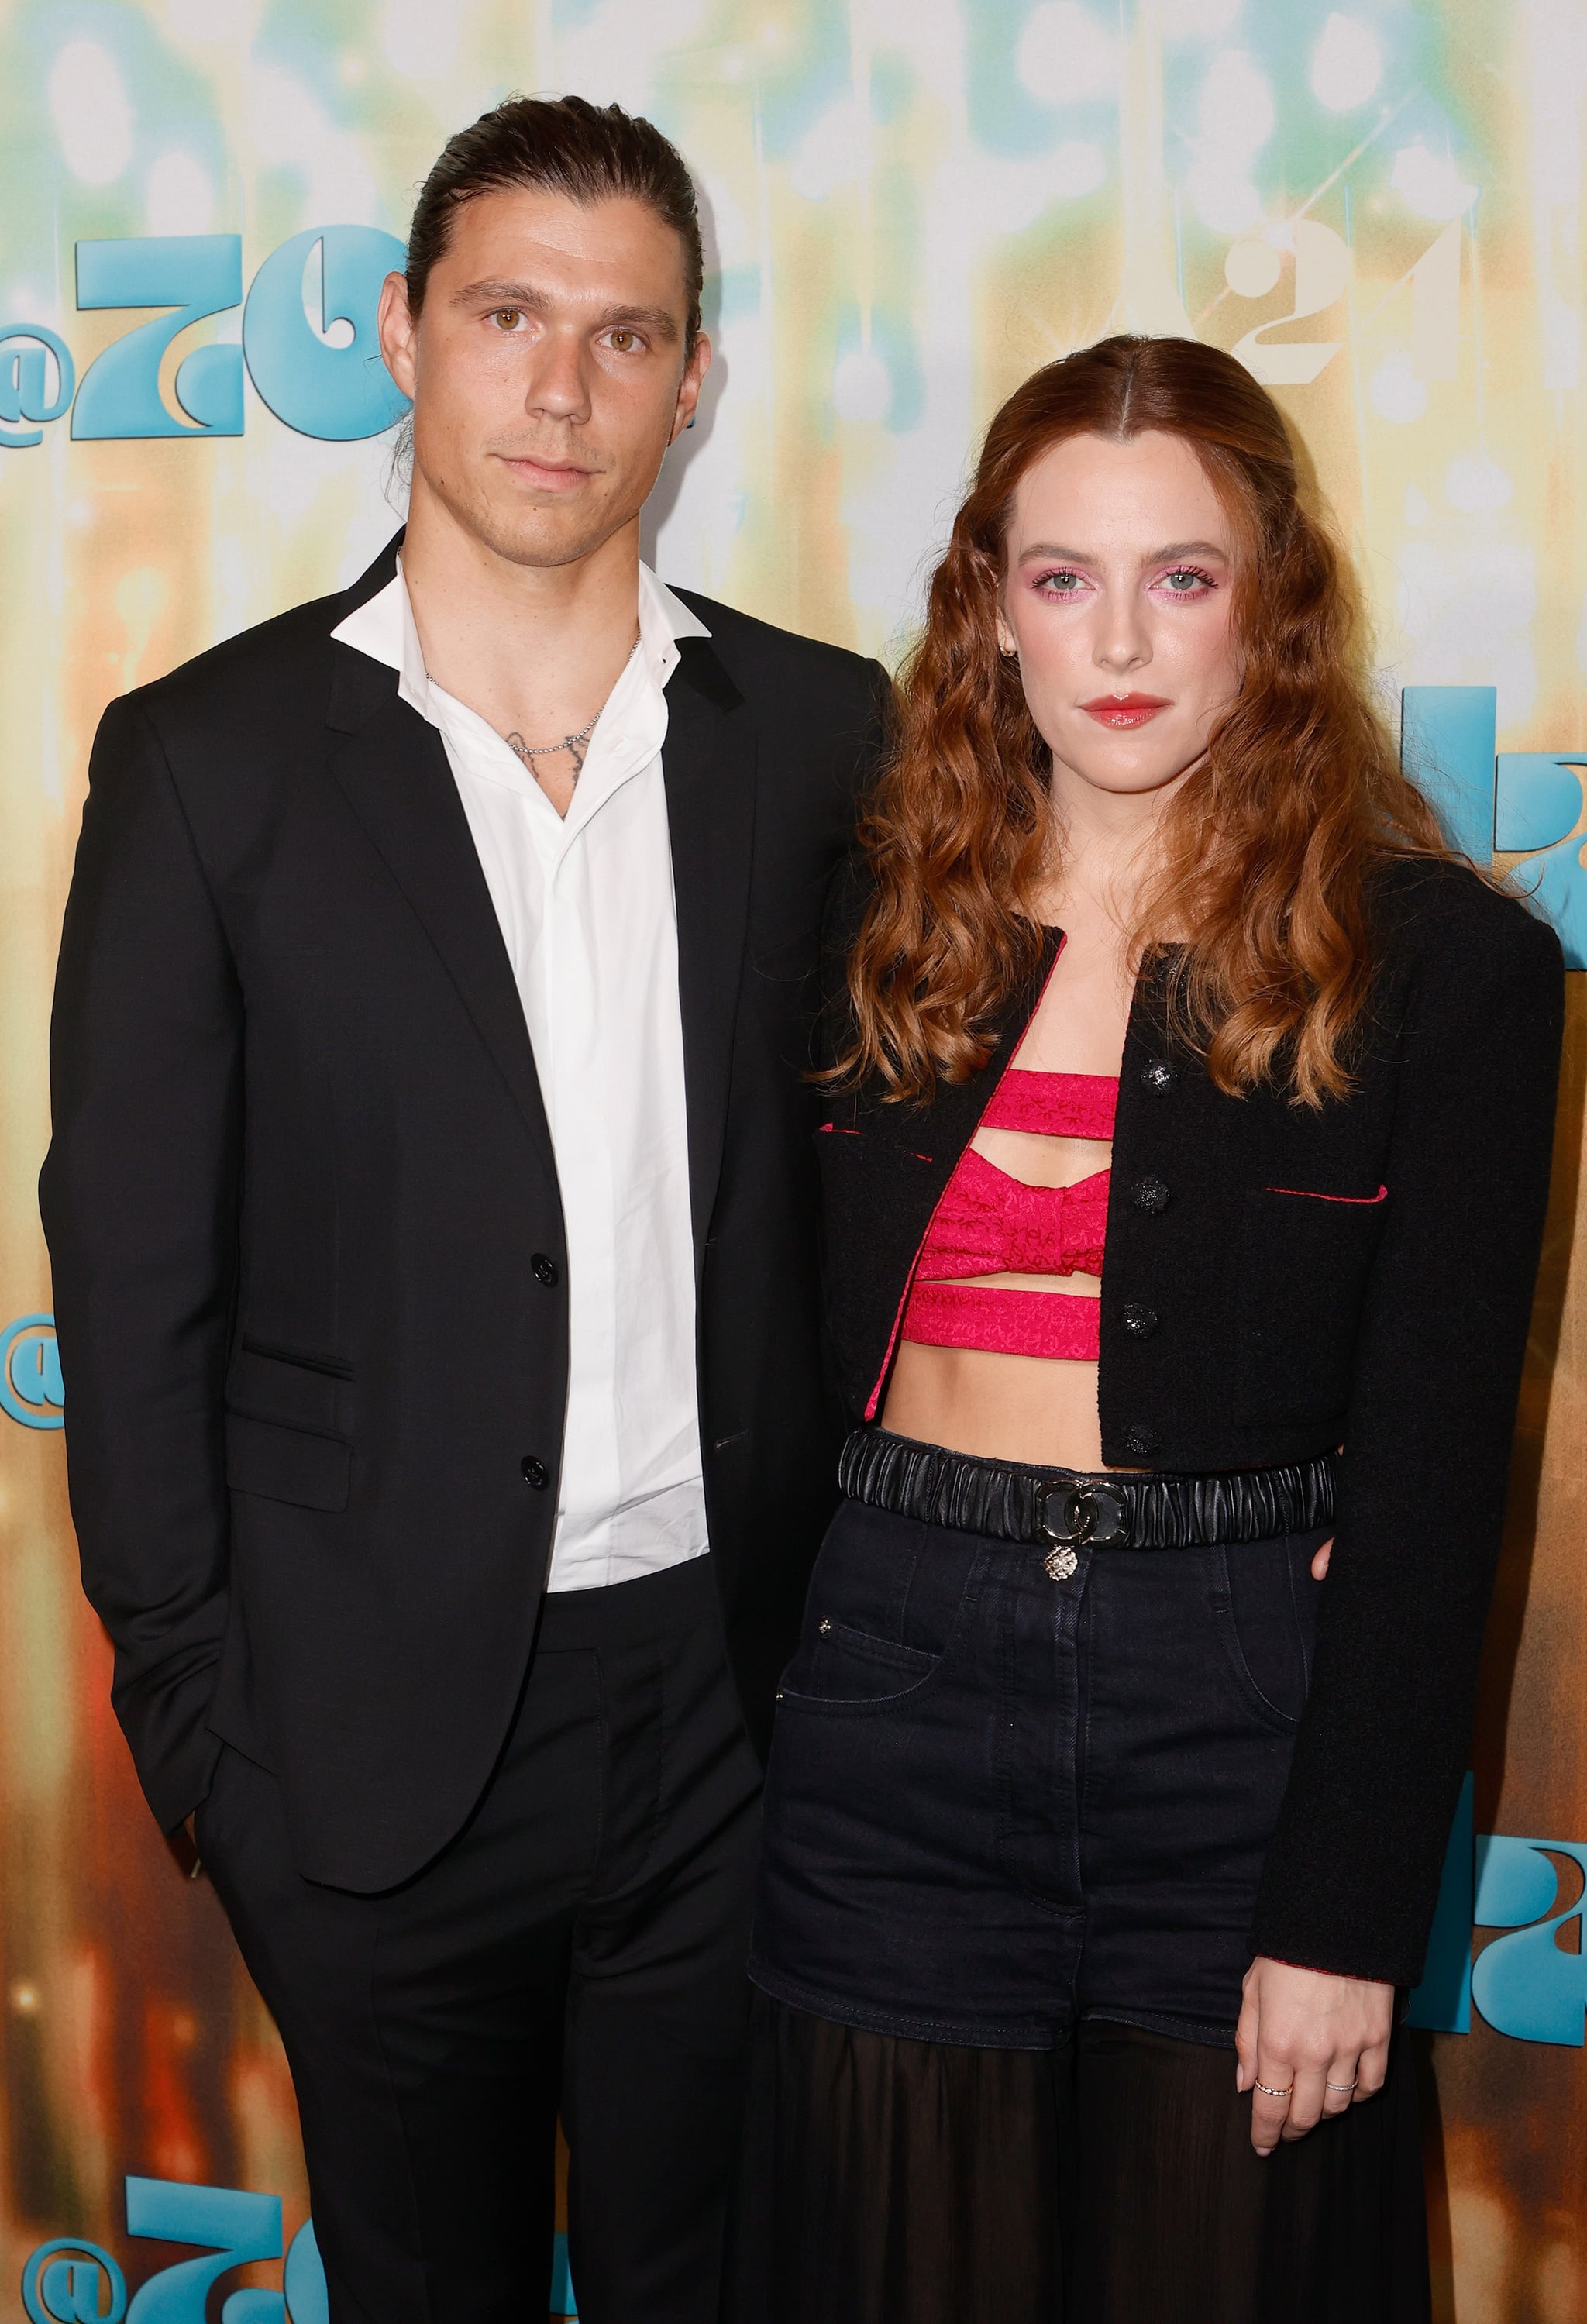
[{"x": 589, "y": 919}]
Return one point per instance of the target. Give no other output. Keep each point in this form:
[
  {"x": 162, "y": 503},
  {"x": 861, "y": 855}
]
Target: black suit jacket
[
  {"x": 1279, "y": 1281},
  {"x": 300, "y": 1180}
]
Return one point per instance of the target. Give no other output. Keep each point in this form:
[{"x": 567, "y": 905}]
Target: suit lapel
[
  {"x": 391, "y": 766},
  {"x": 708, "y": 766}
]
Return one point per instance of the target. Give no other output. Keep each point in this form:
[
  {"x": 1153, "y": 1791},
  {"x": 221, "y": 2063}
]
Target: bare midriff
[{"x": 996, "y": 1405}]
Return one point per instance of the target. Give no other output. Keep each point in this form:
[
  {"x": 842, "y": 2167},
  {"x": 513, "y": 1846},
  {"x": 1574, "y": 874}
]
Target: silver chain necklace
[{"x": 576, "y": 745}]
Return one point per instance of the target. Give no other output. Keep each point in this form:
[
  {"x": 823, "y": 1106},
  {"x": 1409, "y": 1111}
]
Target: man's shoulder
[
  {"x": 268, "y": 654},
  {"x": 764, "y": 659},
  {"x": 273, "y": 670}
]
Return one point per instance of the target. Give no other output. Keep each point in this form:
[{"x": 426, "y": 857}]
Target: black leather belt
[{"x": 1064, "y": 1509}]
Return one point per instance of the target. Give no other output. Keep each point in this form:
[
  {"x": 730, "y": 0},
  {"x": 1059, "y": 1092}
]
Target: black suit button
[
  {"x": 1140, "y": 1322},
  {"x": 1150, "y": 1194},
  {"x": 535, "y": 1473},
  {"x": 543, "y": 1269},
  {"x": 1158, "y": 1076},
  {"x": 1139, "y": 1439}
]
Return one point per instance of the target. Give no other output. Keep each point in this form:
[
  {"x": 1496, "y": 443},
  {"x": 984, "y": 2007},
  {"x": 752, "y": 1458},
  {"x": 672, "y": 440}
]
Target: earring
[{"x": 688, "y": 423}]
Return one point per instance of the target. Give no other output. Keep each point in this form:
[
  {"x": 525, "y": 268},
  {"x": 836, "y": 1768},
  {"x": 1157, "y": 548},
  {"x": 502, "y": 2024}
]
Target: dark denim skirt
[{"x": 999, "y": 1804}]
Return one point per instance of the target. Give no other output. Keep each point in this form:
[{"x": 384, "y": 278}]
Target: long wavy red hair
[{"x": 1265, "y": 852}]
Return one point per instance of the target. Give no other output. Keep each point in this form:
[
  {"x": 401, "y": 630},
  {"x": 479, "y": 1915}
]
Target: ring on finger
[
  {"x": 1339, "y": 2086},
  {"x": 1267, "y": 2090}
]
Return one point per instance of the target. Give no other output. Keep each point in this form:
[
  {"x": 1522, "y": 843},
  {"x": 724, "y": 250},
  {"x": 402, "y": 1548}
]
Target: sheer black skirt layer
[{"x": 1109, "y": 2180}]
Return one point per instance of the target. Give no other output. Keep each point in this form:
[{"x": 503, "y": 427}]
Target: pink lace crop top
[{"x": 989, "y": 1223}]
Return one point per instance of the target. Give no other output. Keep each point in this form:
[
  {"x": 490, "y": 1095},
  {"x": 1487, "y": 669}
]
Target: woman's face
[{"x": 1121, "y": 565}]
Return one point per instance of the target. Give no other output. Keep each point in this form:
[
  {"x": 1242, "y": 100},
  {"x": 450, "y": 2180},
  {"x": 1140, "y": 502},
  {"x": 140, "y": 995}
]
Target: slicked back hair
[{"x": 565, "y": 145}]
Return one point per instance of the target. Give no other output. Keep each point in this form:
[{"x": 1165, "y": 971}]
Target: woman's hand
[{"x": 1320, "y": 2041}]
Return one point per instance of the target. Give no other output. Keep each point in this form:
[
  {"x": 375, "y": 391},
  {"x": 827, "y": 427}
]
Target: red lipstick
[{"x": 1125, "y": 710}]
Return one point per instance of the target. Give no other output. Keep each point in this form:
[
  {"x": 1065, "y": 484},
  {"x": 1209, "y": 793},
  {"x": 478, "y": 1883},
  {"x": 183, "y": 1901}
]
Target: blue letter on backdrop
[
  {"x": 24, "y": 389},
  {"x": 1526, "y": 1984},
  {"x": 1518, "y": 803},
  {"x": 1540, "y": 806},
  {"x": 199, "y": 275},
  {"x": 242, "y": 2226},
  {"x": 31, "y": 1389},
  {"x": 338, "y": 392},
  {"x": 1447, "y": 742}
]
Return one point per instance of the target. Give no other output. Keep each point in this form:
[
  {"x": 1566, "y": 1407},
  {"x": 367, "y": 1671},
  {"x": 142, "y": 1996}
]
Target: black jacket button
[
  {"x": 1158, "y": 1076},
  {"x": 1140, "y": 1322},
  {"x": 535, "y": 1473},
  {"x": 1139, "y": 1439},
  {"x": 543, "y": 1269},
  {"x": 1150, "y": 1194}
]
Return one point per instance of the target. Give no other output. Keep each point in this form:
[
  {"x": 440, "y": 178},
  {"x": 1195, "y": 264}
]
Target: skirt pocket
[
  {"x": 887, "y": 1599},
  {"x": 1265, "y": 1610},
  {"x": 847, "y": 1665}
]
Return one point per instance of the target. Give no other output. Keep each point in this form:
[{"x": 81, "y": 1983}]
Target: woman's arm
[{"x": 1352, "y": 1876}]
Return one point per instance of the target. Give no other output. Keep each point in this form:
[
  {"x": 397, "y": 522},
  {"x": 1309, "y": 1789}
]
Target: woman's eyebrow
[{"x": 1054, "y": 550}]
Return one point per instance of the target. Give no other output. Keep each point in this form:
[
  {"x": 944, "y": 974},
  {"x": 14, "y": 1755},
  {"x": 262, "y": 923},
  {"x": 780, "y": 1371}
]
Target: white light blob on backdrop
[
  {"x": 1430, "y": 183},
  {"x": 1466, "y": 617},
  {"x": 1235, "y": 117},
  {"x": 419, "y": 37},
  {"x": 1200, "y": 20},
  {"x": 834, "y": 152},
  {"x": 1076, "y": 168},
  {"x": 291, "y": 128},
  {"x": 1065, "y": 57},
  {"x": 1396, "y": 392},
  {"x": 213, "y": 20},
  {"x": 92, "y": 117},
  {"x": 1235, "y": 109},
  {"x": 612, "y": 55},
  {"x": 862, "y": 386},
  {"x": 1347, "y": 64},
  {"x": 1476, "y": 485},
  {"x": 178, "y": 196}
]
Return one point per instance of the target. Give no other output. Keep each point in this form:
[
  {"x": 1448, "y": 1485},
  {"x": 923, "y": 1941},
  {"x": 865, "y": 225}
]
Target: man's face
[{"x": 545, "y": 368}]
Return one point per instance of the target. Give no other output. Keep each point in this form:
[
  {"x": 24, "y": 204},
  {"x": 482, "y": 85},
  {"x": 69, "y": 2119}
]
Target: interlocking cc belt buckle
[{"x": 1070, "y": 1516}]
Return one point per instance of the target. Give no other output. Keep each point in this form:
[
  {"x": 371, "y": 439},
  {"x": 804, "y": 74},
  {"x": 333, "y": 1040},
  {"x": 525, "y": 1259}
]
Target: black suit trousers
[{"x": 579, "y": 1946}]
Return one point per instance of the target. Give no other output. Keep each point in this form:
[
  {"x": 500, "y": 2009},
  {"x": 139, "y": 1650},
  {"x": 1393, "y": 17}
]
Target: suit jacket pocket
[
  {"x": 288, "y": 1386},
  {"x": 1304, "y": 1263},
  {"x": 287, "y": 1464}
]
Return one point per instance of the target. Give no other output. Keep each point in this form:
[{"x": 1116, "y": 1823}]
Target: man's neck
[{"x": 534, "y": 650}]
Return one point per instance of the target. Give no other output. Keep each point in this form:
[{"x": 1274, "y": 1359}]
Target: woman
[{"x": 1184, "y": 1180}]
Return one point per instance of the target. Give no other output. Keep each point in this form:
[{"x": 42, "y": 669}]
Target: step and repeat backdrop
[{"x": 909, "y": 204}]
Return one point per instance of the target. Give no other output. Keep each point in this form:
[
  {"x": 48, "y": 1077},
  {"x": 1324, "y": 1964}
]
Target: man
[{"x": 432, "y": 1213}]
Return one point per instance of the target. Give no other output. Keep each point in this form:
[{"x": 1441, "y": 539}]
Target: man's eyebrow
[
  {"x": 492, "y": 293},
  {"x": 495, "y": 293},
  {"x": 1059, "y": 555}
]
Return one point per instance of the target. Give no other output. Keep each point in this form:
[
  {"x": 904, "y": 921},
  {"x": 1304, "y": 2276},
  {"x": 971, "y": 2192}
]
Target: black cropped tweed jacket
[{"x": 1280, "y": 1281}]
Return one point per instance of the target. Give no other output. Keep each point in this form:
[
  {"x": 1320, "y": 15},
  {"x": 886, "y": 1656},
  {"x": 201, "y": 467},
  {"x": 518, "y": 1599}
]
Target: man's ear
[
  {"x": 688, "y": 387},
  {"x": 398, "y": 334}
]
